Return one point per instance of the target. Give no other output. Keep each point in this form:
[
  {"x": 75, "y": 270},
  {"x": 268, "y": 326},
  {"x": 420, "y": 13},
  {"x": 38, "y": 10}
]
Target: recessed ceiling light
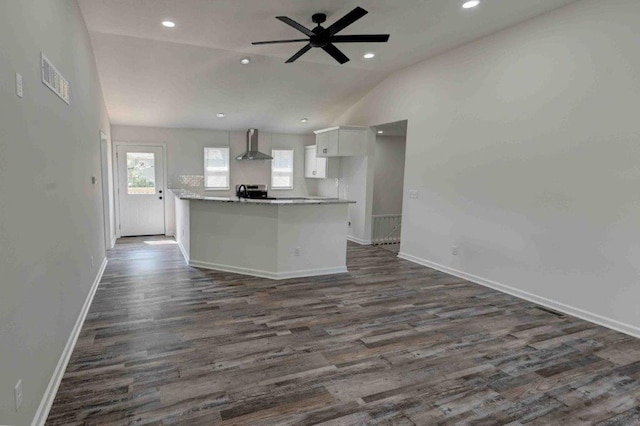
[
  {"x": 168, "y": 24},
  {"x": 220, "y": 114},
  {"x": 304, "y": 120},
  {"x": 380, "y": 132},
  {"x": 471, "y": 3},
  {"x": 245, "y": 61},
  {"x": 369, "y": 55}
]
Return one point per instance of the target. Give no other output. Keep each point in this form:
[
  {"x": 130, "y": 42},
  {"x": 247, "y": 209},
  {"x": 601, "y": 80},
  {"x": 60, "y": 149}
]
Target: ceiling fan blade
[
  {"x": 299, "y": 53},
  {"x": 346, "y": 20},
  {"x": 295, "y": 25},
  {"x": 363, "y": 38},
  {"x": 281, "y": 41},
  {"x": 335, "y": 53}
]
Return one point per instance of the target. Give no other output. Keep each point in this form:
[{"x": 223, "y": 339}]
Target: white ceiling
[{"x": 181, "y": 77}]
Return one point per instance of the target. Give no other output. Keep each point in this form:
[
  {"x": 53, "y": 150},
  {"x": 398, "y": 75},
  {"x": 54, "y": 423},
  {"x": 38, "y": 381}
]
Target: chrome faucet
[{"x": 242, "y": 191}]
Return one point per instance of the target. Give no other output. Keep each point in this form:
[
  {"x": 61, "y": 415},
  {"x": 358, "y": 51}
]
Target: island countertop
[{"x": 284, "y": 201}]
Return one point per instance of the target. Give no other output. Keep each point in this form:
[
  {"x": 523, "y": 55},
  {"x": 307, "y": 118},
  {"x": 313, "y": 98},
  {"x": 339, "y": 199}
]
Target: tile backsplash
[{"x": 193, "y": 183}]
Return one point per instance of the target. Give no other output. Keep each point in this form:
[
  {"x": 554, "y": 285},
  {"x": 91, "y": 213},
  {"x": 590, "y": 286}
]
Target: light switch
[
  {"x": 413, "y": 194},
  {"x": 19, "y": 90}
]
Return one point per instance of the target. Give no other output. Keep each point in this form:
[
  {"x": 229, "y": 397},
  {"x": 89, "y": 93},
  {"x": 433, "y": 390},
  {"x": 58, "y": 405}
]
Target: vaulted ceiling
[{"x": 184, "y": 76}]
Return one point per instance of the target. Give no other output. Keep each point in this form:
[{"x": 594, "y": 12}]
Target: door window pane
[
  {"x": 282, "y": 169},
  {"x": 216, "y": 168},
  {"x": 141, "y": 173}
]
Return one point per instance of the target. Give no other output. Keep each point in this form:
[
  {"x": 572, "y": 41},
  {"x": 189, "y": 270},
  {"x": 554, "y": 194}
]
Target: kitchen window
[
  {"x": 216, "y": 168},
  {"x": 282, "y": 169}
]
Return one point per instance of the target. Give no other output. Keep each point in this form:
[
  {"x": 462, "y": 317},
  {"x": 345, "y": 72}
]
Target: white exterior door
[{"x": 140, "y": 189}]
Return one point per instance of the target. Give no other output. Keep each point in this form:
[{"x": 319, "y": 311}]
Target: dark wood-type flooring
[{"x": 389, "y": 343}]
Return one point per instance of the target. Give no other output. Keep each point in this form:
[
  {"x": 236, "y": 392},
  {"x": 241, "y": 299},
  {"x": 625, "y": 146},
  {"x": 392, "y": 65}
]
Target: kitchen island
[{"x": 275, "y": 238}]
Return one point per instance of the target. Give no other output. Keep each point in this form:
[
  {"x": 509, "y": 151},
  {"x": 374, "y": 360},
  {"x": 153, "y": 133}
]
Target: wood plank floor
[{"x": 389, "y": 343}]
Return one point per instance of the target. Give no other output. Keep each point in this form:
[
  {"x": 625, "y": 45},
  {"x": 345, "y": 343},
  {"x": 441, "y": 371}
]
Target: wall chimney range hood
[{"x": 252, "y": 152}]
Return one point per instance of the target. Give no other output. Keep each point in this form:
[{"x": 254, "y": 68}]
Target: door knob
[
  {"x": 160, "y": 191},
  {"x": 160, "y": 198}
]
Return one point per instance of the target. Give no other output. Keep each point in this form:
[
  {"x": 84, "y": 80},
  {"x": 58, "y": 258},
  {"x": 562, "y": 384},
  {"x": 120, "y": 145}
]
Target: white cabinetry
[
  {"x": 318, "y": 167},
  {"x": 341, "y": 141}
]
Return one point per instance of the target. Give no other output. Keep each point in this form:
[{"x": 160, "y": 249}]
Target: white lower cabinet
[{"x": 318, "y": 167}]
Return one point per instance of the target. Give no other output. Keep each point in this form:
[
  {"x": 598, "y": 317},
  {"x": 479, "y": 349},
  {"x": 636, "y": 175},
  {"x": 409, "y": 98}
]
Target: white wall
[
  {"x": 524, "y": 148},
  {"x": 355, "y": 186},
  {"x": 185, "y": 156},
  {"x": 388, "y": 174},
  {"x": 51, "y": 218},
  {"x": 182, "y": 225}
]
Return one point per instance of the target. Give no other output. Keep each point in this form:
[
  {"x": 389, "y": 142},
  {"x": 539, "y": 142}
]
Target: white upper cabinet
[
  {"x": 341, "y": 141},
  {"x": 319, "y": 168},
  {"x": 310, "y": 161}
]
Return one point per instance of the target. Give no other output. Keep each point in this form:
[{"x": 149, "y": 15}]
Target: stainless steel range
[{"x": 253, "y": 191}]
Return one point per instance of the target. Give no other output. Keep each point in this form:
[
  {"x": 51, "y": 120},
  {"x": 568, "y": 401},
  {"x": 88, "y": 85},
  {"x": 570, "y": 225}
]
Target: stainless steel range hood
[{"x": 252, "y": 148}]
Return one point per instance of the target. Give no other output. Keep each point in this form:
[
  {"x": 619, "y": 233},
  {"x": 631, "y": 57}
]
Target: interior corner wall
[
  {"x": 388, "y": 175},
  {"x": 356, "y": 184},
  {"x": 185, "y": 156},
  {"x": 51, "y": 216},
  {"x": 523, "y": 147}
]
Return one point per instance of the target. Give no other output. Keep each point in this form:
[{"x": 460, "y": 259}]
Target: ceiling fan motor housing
[{"x": 320, "y": 38}]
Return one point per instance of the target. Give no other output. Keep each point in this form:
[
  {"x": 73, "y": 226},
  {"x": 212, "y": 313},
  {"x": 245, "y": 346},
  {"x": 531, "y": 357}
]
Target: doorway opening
[{"x": 388, "y": 184}]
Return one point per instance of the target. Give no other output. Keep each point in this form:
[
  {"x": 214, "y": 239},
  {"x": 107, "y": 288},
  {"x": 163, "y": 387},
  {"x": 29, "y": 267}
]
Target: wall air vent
[{"x": 52, "y": 78}]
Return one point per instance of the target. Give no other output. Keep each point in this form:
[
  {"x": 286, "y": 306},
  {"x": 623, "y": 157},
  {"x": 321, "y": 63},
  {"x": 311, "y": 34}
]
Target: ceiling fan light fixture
[
  {"x": 245, "y": 61},
  {"x": 220, "y": 115},
  {"x": 168, "y": 24},
  {"x": 369, "y": 55},
  {"x": 470, "y": 4},
  {"x": 304, "y": 120}
]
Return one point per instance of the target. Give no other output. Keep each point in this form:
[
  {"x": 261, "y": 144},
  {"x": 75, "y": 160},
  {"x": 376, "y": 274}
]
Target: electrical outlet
[
  {"x": 413, "y": 194},
  {"x": 296, "y": 251},
  {"x": 454, "y": 250},
  {"x": 17, "y": 392},
  {"x": 337, "y": 183},
  {"x": 19, "y": 88}
]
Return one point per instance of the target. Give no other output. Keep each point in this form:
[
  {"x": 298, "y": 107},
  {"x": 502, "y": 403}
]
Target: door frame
[
  {"x": 163, "y": 147},
  {"x": 107, "y": 207}
]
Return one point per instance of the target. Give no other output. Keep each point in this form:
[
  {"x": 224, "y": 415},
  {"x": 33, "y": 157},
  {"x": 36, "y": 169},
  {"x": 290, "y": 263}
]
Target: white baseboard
[
  {"x": 52, "y": 388},
  {"x": 359, "y": 241},
  {"x": 561, "y": 307},
  {"x": 184, "y": 252},
  {"x": 268, "y": 274}
]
